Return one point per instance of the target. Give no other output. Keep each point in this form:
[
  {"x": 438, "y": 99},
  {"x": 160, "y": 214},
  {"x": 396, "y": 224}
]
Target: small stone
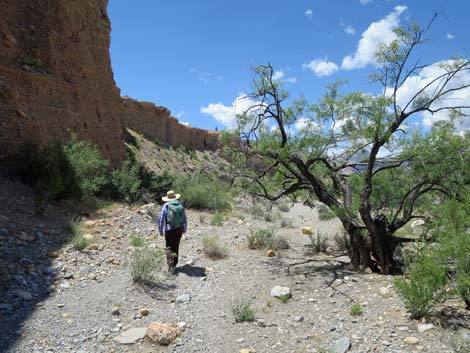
[
  {"x": 246, "y": 350},
  {"x": 240, "y": 340},
  {"x": 342, "y": 345},
  {"x": 131, "y": 336},
  {"x": 110, "y": 260},
  {"x": 270, "y": 253},
  {"x": 23, "y": 295},
  {"x": 184, "y": 298},
  {"x": 299, "y": 318},
  {"x": 162, "y": 333},
  {"x": 65, "y": 315},
  {"x": 307, "y": 230},
  {"x": 411, "y": 340},
  {"x": 279, "y": 291},
  {"x": 182, "y": 325},
  {"x": 144, "y": 311},
  {"x": 425, "y": 327},
  {"x": 116, "y": 310},
  {"x": 384, "y": 291}
]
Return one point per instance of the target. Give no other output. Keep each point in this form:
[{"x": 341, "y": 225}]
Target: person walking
[{"x": 172, "y": 223}]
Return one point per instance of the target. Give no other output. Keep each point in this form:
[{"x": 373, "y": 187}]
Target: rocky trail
[{"x": 62, "y": 300}]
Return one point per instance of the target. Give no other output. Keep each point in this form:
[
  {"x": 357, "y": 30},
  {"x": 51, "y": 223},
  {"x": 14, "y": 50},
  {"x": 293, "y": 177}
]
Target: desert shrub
[
  {"x": 212, "y": 247},
  {"x": 242, "y": 311},
  {"x": 218, "y": 219},
  {"x": 79, "y": 242},
  {"x": 72, "y": 170},
  {"x": 284, "y": 298},
  {"x": 356, "y": 310},
  {"x": 423, "y": 284},
  {"x": 342, "y": 241},
  {"x": 204, "y": 191},
  {"x": 266, "y": 239},
  {"x": 325, "y": 213},
  {"x": 283, "y": 206},
  {"x": 444, "y": 263},
  {"x": 127, "y": 180},
  {"x": 258, "y": 211},
  {"x": 136, "y": 241},
  {"x": 268, "y": 217},
  {"x": 318, "y": 243},
  {"x": 145, "y": 264}
]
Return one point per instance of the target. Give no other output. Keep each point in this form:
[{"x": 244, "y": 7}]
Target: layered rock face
[
  {"x": 156, "y": 123},
  {"x": 56, "y": 79}
]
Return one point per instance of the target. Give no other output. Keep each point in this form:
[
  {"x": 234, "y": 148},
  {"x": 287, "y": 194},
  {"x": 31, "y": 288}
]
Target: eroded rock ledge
[{"x": 56, "y": 79}]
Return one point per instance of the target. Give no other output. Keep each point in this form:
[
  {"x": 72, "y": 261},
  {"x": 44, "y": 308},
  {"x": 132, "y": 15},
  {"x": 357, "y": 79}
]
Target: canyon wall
[{"x": 56, "y": 79}]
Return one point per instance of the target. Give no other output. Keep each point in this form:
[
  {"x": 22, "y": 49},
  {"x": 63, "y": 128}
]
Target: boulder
[
  {"x": 279, "y": 291},
  {"x": 342, "y": 345},
  {"x": 162, "y": 333}
]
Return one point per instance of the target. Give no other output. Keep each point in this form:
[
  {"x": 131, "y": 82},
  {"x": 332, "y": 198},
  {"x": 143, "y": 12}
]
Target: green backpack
[{"x": 174, "y": 216}]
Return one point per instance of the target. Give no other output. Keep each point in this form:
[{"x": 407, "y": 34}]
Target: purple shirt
[{"x": 162, "y": 225}]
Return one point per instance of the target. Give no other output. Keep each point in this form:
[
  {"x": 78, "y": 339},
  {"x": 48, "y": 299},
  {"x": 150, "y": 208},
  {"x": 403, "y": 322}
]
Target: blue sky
[{"x": 195, "y": 57}]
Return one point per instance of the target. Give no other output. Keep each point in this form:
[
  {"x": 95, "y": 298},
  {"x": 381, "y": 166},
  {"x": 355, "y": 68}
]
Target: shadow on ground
[{"x": 28, "y": 249}]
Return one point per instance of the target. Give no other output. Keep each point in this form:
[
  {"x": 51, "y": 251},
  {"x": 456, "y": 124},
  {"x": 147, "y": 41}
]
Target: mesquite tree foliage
[{"x": 357, "y": 153}]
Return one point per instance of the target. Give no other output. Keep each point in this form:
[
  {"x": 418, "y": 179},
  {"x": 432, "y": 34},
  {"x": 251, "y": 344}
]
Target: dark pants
[{"x": 172, "y": 244}]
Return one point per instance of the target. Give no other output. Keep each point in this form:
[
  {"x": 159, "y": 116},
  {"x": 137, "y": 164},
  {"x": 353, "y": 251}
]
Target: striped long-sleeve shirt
[{"x": 163, "y": 226}]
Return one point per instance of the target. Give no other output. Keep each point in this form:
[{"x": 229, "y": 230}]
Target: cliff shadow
[{"x": 29, "y": 254}]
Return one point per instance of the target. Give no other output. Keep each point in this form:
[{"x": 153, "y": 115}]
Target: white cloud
[
  {"x": 305, "y": 124},
  {"x": 227, "y": 115},
  {"x": 460, "y": 97},
  {"x": 279, "y": 75},
  {"x": 321, "y": 67},
  {"x": 308, "y": 13},
  {"x": 450, "y": 36},
  {"x": 180, "y": 114},
  {"x": 349, "y": 30},
  {"x": 185, "y": 123},
  {"x": 365, "y": 2},
  {"x": 378, "y": 33}
]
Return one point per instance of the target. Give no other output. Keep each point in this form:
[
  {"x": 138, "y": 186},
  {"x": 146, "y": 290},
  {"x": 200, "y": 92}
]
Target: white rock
[
  {"x": 279, "y": 291},
  {"x": 131, "y": 336},
  {"x": 425, "y": 327},
  {"x": 342, "y": 345}
]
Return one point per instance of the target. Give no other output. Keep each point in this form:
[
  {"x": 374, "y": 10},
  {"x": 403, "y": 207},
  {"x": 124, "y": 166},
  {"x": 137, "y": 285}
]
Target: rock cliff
[{"x": 56, "y": 79}]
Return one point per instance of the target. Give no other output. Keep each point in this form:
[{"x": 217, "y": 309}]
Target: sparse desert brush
[
  {"x": 145, "y": 264},
  {"x": 318, "y": 243},
  {"x": 218, "y": 219},
  {"x": 342, "y": 241},
  {"x": 266, "y": 239},
  {"x": 212, "y": 247},
  {"x": 136, "y": 240},
  {"x": 356, "y": 310},
  {"x": 242, "y": 311}
]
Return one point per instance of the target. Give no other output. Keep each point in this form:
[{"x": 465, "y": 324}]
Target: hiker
[{"x": 172, "y": 222}]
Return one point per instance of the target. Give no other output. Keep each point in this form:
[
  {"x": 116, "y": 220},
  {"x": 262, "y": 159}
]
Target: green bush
[
  {"x": 423, "y": 285},
  {"x": 217, "y": 219},
  {"x": 136, "y": 241},
  {"x": 127, "y": 180},
  {"x": 266, "y": 239},
  {"x": 212, "y": 247},
  {"x": 204, "y": 191},
  {"x": 325, "y": 213},
  {"x": 72, "y": 170},
  {"x": 242, "y": 311},
  {"x": 284, "y": 298},
  {"x": 79, "y": 242},
  {"x": 356, "y": 310},
  {"x": 318, "y": 243},
  {"x": 145, "y": 264}
]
